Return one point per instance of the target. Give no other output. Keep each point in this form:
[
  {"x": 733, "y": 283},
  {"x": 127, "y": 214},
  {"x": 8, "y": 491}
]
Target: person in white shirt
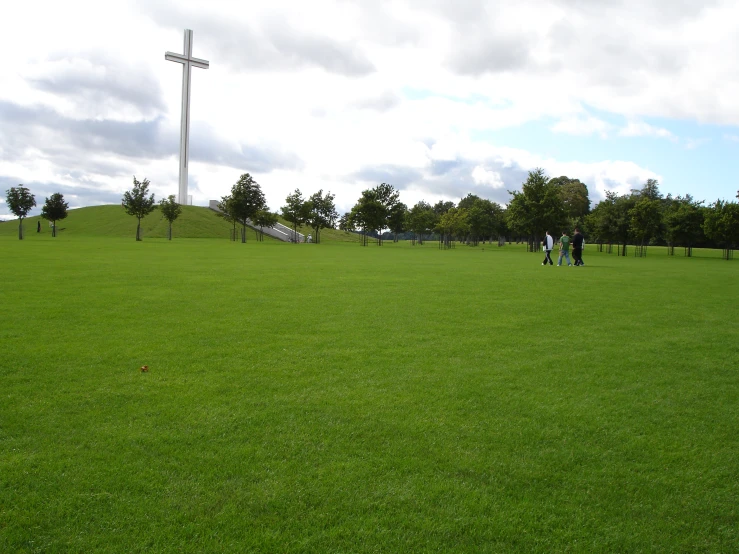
[{"x": 548, "y": 244}]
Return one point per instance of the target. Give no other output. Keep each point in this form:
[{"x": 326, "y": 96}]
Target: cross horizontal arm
[{"x": 179, "y": 58}]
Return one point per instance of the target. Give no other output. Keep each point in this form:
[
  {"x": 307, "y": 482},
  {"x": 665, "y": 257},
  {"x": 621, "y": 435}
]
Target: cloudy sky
[{"x": 436, "y": 97}]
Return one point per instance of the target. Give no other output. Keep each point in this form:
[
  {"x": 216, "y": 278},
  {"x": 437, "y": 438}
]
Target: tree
[
  {"x": 536, "y": 209},
  {"x": 468, "y": 201},
  {"x": 20, "y": 202},
  {"x": 721, "y": 225},
  {"x": 264, "y": 218},
  {"x": 484, "y": 219},
  {"x": 225, "y": 207},
  {"x": 370, "y": 213},
  {"x": 442, "y": 207},
  {"x": 346, "y": 223},
  {"x": 683, "y": 220},
  {"x": 322, "y": 212},
  {"x": 645, "y": 219},
  {"x": 396, "y": 220},
  {"x": 574, "y": 195},
  {"x": 171, "y": 210},
  {"x": 453, "y": 223},
  {"x": 621, "y": 219},
  {"x": 137, "y": 203},
  {"x": 420, "y": 220},
  {"x": 601, "y": 221},
  {"x": 295, "y": 210},
  {"x": 55, "y": 209},
  {"x": 247, "y": 199}
]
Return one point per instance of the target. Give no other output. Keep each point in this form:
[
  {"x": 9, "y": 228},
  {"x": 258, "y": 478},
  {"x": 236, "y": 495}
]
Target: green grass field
[{"x": 335, "y": 398}]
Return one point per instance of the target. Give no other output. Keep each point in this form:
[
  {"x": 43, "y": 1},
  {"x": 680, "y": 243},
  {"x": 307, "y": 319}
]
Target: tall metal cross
[{"x": 187, "y": 62}]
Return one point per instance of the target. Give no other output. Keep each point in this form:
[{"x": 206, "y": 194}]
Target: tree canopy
[
  {"x": 138, "y": 202},
  {"x": 55, "y": 209},
  {"x": 171, "y": 210},
  {"x": 20, "y": 202}
]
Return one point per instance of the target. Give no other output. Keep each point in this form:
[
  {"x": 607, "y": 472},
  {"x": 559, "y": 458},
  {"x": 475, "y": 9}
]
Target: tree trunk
[
  {"x": 20, "y": 229},
  {"x": 169, "y": 233},
  {"x": 53, "y": 228},
  {"x": 138, "y": 230},
  {"x": 243, "y": 234}
]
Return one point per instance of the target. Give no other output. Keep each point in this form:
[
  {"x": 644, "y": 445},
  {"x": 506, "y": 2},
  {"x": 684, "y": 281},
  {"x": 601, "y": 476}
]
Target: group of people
[{"x": 578, "y": 243}]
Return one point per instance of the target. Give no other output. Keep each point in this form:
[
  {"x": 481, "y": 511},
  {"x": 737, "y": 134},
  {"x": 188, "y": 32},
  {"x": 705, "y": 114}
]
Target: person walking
[
  {"x": 578, "y": 242},
  {"x": 548, "y": 244},
  {"x": 564, "y": 249}
]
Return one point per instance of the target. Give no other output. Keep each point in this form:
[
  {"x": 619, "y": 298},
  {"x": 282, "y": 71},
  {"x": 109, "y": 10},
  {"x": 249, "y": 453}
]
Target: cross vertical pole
[
  {"x": 187, "y": 61},
  {"x": 185, "y": 122}
]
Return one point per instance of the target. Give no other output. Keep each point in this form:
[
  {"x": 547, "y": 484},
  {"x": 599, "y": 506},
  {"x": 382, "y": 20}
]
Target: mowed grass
[{"x": 335, "y": 398}]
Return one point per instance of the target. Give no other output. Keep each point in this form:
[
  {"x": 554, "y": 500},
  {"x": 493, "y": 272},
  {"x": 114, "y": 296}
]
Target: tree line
[{"x": 642, "y": 217}]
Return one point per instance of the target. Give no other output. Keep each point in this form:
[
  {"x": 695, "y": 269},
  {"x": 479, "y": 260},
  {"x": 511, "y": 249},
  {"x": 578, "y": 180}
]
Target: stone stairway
[{"x": 279, "y": 231}]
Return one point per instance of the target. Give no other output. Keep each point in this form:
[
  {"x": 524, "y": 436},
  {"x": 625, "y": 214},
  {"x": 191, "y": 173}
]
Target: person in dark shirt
[{"x": 577, "y": 245}]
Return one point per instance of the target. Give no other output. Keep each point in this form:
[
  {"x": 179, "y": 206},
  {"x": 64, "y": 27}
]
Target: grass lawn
[{"x": 335, "y": 398}]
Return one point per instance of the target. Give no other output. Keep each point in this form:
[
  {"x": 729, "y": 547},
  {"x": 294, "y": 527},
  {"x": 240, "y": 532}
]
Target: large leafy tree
[
  {"x": 372, "y": 211},
  {"x": 645, "y": 219},
  {"x": 396, "y": 220},
  {"x": 322, "y": 213},
  {"x": 295, "y": 210},
  {"x": 442, "y": 207},
  {"x": 721, "y": 224},
  {"x": 20, "y": 202},
  {"x": 622, "y": 220},
  {"x": 538, "y": 207},
  {"x": 683, "y": 220},
  {"x": 138, "y": 202},
  {"x": 484, "y": 218},
  {"x": 645, "y": 216},
  {"x": 171, "y": 210},
  {"x": 452, "y": 224},
  {"x": 601, "y": 221},
  {"x": 420, "y": 220},
  {"x": 247, "y": 199},
  {"x": 575, "y": 198},
  {"x": 55, "y": 209},
  {"x": 468, "y": 201}
]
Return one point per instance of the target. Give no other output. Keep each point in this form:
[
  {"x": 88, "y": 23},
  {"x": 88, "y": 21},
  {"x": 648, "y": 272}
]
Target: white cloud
[
  {"x": 641, "y": 129},
  {"x": 482, "y": 176},
  {"x": 582, "y": 126}
]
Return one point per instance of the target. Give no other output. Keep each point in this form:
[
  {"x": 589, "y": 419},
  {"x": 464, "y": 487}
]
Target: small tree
[
  {"x": 225, "y": 207},
  {"x": 171, "y": 210},
  {"x": 247, "y": 199},
  {"x": 295, "y": 210},
  {"x": 55, "y": 209},
  {"x": 137, "y": 203},
  {"x": 262, "y": 219},
  {"x": 20, "y": 202},
  {"x": 321, "y": 213}
]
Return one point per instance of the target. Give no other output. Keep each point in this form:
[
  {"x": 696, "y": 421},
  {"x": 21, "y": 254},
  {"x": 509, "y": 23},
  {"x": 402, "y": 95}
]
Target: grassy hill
[{"x": 112, "y": 221}]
